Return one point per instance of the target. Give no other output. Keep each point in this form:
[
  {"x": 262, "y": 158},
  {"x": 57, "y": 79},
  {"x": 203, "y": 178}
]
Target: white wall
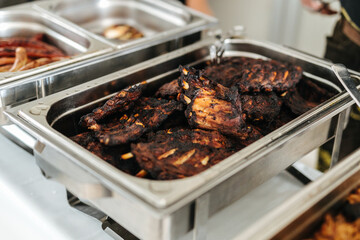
[{"x": 280, "y": 21}]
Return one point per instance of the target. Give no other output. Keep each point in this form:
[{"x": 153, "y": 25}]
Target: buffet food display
[
  {"x": 343, "y": 224},
  {"x": 55, "y": 119},
  {"x": 199, "y": 119},
  {"x": 140, "y": 122},
  {"x": 22, "y": 53}
]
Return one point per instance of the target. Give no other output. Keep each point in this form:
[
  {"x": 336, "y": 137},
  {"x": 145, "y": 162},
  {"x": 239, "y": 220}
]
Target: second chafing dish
[
  {"x": 301, "y": 216},
  {"x": 156, "y": 20},
  {"x": 25, "y": 21},
  {"x": 165, "y": 209}
]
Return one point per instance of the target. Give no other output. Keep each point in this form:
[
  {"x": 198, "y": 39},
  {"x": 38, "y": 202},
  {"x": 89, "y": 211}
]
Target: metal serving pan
[
  {"x": 157, "y": 20},
  {"x": 169, "y": 209},
  {"x": 21, "y": 21},
  {"x": 302, "y": 214}
]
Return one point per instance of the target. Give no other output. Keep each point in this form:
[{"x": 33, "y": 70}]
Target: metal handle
[
  {"x": 349, "y": 84},
  {"x": 76, "y": 180}
]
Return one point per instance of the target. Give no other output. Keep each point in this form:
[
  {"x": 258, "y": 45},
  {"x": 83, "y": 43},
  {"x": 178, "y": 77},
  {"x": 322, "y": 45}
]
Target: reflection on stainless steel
[
  {"x": 167, "y": 205},
  {"x": 348, "y": 82},
  {"x": 156, "y": 20},
  {"x": 300, "y": 216},
  {"x": 22, "y": 21},
  {"x": 86, "y": 64}
]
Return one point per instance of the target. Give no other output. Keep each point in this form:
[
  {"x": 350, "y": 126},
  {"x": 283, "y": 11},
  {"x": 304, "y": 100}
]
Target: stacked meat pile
[
  {"x": 346, "y": 224},
  {"x": 198, "y": 119},
  {"x": 22, "y": 53}
]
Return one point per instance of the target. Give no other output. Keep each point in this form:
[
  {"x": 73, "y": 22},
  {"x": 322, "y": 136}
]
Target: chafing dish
[
  {"x": 157, "y": 20},
  {"x": 17, "y": 88},
  {"x": 22, "y": 21},
  {"x": 169, "y": 209},
  {"x": 301, "y": 215}
]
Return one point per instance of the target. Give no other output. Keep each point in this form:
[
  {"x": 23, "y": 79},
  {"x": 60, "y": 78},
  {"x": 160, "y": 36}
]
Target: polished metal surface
[
  {"x": 40, "y": 208},
  {"x": 163, "y": 209},
  {"x": 36, "y": 207},
  {"x": 25, "y": 21},
  {"x": 349, "y": 83},
  {"x": 157, "y": 20},
  {"x": 301, "y": 215},
  {"x": 89, "y": 63}
]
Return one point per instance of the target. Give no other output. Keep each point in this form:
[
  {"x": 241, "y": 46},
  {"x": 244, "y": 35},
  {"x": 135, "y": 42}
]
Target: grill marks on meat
[
  {"x": 227, "y": 107},
  {"x": 148, "y": 114},
  {"x": 212, "y": 106},
  {"x": 169, "y": 90},
  {"x": 121, "y": 102},
  {"x": 181, "y": 153},
  {"x": 224, "y": 72},
  {"x": 256, "y": 75},
  {"x": 261, "y": 107}
]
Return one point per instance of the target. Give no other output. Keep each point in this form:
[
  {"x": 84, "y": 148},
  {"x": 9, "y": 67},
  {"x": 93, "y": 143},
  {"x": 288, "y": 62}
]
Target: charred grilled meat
[
  {"x": 258, "y": 75},
  {"x": 224, "y": 72},
  {"x": 148, "y": 114},
  {"x": 181, "y": 153},
  {"x": 108, "y": 154},
  {"x": 238, "y": 101},
  {"x": 169, "y": 90},
  {"x": 212, "y": 106},
  {"x": 297, "y": 103},
  {"x": 261, "y": 107},
  {"x": 121, "y": 102},
  {"x": 87, "y": 140},
  {"x": 255, "y": 75}
]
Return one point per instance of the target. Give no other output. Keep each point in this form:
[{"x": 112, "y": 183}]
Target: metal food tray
[
  {"x": 157, "y": 20},
  {"x": 301, "y": 216},
  {"x": 169, "y": 209},
  {"x": 25, "y": 21}
]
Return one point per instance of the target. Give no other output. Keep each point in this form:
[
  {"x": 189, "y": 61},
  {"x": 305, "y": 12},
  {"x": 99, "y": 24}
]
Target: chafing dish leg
[
  {"x": 201, "y": 216},
  {"x": 338, "y": 135}
]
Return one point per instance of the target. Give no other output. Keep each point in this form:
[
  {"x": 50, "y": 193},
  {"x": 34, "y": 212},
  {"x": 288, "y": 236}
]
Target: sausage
[{"x": 31, "y": 52}]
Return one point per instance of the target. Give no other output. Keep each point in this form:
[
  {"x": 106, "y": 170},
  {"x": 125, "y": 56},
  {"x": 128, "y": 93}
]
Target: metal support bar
[
  {"x": 338, "y": 137},
  {"x": 304, "y": 173},
  {"x": 201, "y": 217}
]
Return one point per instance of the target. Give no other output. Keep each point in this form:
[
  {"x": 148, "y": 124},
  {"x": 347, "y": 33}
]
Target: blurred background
[{"x": 281, "y": 21}]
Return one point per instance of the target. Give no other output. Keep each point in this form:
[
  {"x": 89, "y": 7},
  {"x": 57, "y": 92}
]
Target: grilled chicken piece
[
  {"x": 169, "y": 90},
  {"x": 212, "y": 106},
  {"x": 224, "y": 72},
  {"x": 297, "y": 103},
  {"x": 111, "y": 155},
  {"x": 148, "y": 114},
  {"x": 255, "y": 75},
  {"x": 259, "y": 75},
  {"x": 87, "y": 141},
  {"x": 261, "y": 107},
  {"x": 121, "y": 102},
  {"x": 173, "y": 154}
]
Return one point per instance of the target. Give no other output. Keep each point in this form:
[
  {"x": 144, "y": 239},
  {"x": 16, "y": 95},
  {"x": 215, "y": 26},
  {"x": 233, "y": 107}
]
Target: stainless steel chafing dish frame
[
  {"x": 56, "y": 28},
  {"x": 197, "y": 22},
  {"x": 301, "y": 215},
  {"x": 151, "y": 209},
  {"x": 17, "y": 88}
]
